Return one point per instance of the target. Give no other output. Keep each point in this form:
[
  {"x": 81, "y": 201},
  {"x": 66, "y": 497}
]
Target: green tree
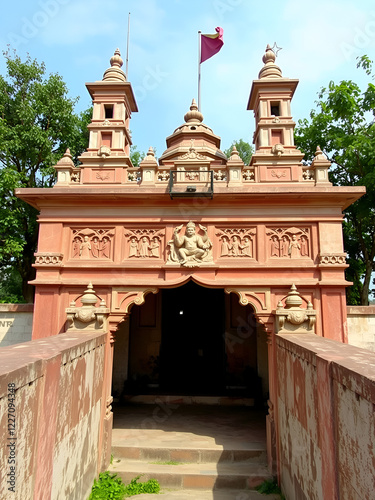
[
  {"x": 136, "y": 156},
  {"x": 343, "y": 126},
  {"x": 245, "y": 150},
  {"x": 37, "y": 124}
]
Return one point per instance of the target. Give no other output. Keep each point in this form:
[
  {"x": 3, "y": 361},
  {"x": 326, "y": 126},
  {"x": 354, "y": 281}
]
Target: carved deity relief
[
  {"x": 92, "y": 243},
  {"x": 144, "y": 243},
  {"x": 237, "y": 242},
  {"x": 191, "y": 249},
  {"x": 292, "y": 243}
]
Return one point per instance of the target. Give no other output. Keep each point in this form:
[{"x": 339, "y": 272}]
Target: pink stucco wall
[
  {"x": 325, "y": 419},
  {"x": 55, "y": 387}
]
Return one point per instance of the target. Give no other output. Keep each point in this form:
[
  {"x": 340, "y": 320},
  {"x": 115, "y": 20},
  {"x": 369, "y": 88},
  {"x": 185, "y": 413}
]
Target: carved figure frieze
[
  {"x": 237, "y": 242},
  {"x": 191, "y": 249},
  {"x": 92, "y": 243},
  {"x": 144, "y": 243},
  {"x": 290, "y": 243}
]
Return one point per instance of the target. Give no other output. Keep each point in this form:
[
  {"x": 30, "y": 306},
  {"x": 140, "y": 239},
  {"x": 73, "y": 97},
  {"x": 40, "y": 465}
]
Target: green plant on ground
[
  {"x": 110, "y": 487},
  {"x": 268, "y": 487},
  {"x": 135, "y": 488}
]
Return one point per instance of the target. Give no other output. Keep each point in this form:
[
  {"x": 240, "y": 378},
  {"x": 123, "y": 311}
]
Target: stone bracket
[
  {"x": 87, "y": 316},
  {"x": 292, "y": 318},
  {"x": 124, "y": 297},
  {"x": 258, "y": 298}
]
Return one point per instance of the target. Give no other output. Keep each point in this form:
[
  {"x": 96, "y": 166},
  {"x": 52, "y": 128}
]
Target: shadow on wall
[{"x": 16, "y": 322}]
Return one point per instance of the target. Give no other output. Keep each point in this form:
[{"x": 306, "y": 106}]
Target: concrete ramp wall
[
  {"x": 325, "y": 418},
  {"x": 51, "y": 409}
]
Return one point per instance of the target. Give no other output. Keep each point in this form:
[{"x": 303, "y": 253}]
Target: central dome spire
[{"x": 193, "y": 115}]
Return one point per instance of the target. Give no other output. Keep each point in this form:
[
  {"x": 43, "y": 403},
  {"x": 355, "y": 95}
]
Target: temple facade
[{"x": 193, "y": 262}]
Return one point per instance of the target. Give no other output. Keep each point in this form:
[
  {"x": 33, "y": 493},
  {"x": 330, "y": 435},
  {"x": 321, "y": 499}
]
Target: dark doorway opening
[
  {"x": 192, "y": 351},
  {"x": 191, "y": 341}
]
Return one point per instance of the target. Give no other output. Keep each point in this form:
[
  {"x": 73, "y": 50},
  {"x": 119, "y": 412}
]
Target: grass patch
[
  {"x": 168, "y": 462},
  {"x": 268, "y": 487},
  {"x": 110, "y": 487}
]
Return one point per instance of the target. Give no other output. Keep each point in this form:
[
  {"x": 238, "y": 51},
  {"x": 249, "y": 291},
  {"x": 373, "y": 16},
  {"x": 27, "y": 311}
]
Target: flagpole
[
  {"x": 127, "y": 49},
  {"x": 199, "y": 69}
]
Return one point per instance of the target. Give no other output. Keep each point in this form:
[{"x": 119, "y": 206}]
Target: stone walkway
[
  {"x": 208, "y": 495},
  {"x": 195, "y": 451}
]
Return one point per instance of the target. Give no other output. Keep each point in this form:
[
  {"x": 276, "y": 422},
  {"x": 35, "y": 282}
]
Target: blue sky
[{"x": 320, "y": 41}]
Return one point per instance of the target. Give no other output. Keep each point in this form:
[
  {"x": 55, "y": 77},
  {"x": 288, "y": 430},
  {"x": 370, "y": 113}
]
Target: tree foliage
[
  {"x": 136, "y": 156},
  {"x": 343, "y": 126},
  {"x": 37, "y": 124},
  {"x": 245, "y": 150}
]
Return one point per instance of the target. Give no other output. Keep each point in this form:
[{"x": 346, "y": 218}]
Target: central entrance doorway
[
  {"x": 192, "y": 350},
  {"x": 191, "y": 341}
]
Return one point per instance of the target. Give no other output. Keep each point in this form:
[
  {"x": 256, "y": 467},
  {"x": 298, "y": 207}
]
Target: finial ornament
[
  {"x": 234, "y": 153},
  {"x": 193, "y": 115},
  {"x": 67, "y": 159},
  {"x": 116, "y": 59},
  {"x": 319, "y": 155},
  {"x": 270, "y": 69},
  {"x": 115, "y": 73}
]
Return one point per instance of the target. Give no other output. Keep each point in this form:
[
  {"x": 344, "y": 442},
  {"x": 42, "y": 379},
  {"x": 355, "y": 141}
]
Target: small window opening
[
  {"x": 275, "y": 108},
  {"x": 193, "y": 128},
  {"x": 108, "y": 111}
]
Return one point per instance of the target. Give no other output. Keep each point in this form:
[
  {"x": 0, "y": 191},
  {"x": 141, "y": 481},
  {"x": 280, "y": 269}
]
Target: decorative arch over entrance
[{"x": 204, "y": 340}]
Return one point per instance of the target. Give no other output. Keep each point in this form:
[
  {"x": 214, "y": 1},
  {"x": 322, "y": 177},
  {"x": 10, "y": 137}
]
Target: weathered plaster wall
[
  {"x": 58, "y": 408},
  {"x": 16, "y": 321},
  {"x": 361, "y": 326},
  {"x": 325, "y": 418}
]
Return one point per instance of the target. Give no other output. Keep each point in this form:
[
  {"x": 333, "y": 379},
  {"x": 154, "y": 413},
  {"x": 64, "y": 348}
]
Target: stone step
[
  {"x": 209, "y": 476},
  {"x": 191, "y": 455},
  {"x": 208, "y": 495}
]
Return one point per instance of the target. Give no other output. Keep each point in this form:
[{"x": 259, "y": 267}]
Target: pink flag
[{"x": 211, "y": 44}]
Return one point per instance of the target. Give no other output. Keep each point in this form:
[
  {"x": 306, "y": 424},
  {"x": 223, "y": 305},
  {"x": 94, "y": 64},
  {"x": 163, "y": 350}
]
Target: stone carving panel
[
  {"x": 292, "y": 243},
  {"x": 163, "y": 176},
  {"x": 48, "y": 258},
  {"x": 144, "y": 243},
  {"x": 237, "y": 242},
  {"x": 191, "y": 249},
  {"x": 330, "y": 259},
  {"x": 90, "y": 244}
]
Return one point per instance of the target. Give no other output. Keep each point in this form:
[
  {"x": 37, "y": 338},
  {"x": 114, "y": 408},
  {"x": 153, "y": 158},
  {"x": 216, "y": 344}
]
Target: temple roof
[{"x": 193, "y": 133}]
